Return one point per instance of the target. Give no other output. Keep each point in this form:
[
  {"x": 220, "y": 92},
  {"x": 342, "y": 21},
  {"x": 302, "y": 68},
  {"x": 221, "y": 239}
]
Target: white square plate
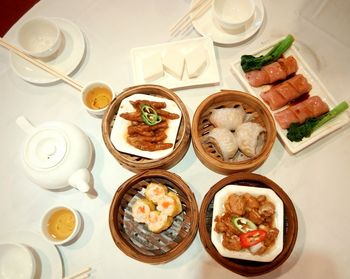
[
  {"x": 218, "y": 209},
  {"x": 317, "y": 89},
  {"x": 119, "y": 131},
  {"x": 210, "y": 74}
]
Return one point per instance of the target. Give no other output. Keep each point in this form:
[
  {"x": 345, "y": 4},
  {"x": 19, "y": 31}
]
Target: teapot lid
[{"x": 45, "y": 149}]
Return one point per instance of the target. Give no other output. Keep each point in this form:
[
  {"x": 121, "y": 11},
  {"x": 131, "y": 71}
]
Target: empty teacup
[
  {"x": 233, "y": 14},
  {"x": 39, "y": 37}
]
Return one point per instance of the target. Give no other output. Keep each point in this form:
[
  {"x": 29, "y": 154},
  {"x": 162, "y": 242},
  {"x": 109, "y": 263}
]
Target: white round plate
[
  {"x": 65, "y": 61},
  {"x": 48, "y": 259},
  {"x": 207, "y": 26}
]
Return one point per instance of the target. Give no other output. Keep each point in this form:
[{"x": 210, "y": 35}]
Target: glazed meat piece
[
  {"x": 231, "y": 241},
  {"x": 271, "y": 236},
  {"x": 281, "y": 94},
  {"x": 254, "y": 216},
  {"x": 311, "y": 107},
  {"x": 167, "y": 115},
  {"x": 156, "y": 105},
  {"x": 132, "y": 116},
  {"x": 224, "y": 224},
  {"x": 273, "y": 72},
  {"x": 251, "y": 202},
  {"x": 235, "y": 204},
  {"x": 266, "y": 209},
  {"x": 146, "y": 130},
  {"x": 148, "y": 146}
]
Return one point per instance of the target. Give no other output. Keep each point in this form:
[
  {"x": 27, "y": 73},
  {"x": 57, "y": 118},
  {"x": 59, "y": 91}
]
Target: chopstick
[
  {"x": 83, "y": 274},
  {"x": 41, "y": 65},
  {"x": 198, "y": 9}
]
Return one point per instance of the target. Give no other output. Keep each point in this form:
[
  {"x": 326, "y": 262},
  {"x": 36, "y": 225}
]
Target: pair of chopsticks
[
  {"x": 41, "y": 65},
  {"x": 198, "y": 9},
  {"x": 83, "y": 274}
]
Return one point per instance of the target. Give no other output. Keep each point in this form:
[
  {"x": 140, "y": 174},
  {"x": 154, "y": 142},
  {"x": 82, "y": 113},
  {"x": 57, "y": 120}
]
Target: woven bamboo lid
[
  {"x": 201, "y": 126},
  {"x": 136, "y": 163},
  {"x": 134, "y": 239},
  {"x": 245, "y": 267}
]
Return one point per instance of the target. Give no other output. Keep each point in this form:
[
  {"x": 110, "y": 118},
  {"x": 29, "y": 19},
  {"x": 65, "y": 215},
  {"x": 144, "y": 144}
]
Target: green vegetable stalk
[
  {"x": 296, "y": 132},
  {"x": 250, "y": 62}
]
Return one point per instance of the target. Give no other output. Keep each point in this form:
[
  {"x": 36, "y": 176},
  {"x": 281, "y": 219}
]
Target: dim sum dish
[
  {"x": 232, "y": 131},
  {"x": 153, "y": 216},
  {"x": 147, "y": 127},
  {"x": 248, "y": 224},
  {"x": 293, "y": 94}
]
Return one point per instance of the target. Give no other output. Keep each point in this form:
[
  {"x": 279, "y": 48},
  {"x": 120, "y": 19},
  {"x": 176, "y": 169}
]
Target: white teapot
[{"x": 56, "y": 154}]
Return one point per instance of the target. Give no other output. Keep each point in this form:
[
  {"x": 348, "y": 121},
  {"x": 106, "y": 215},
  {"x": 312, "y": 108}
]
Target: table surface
[{"x": 316, "y": 179}]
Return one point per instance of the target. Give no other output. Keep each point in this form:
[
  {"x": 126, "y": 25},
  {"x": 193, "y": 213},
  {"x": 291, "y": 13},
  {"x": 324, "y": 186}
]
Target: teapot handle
[
  {"x": 25, "y": 124},
  {"x": 80, "y": 180}
]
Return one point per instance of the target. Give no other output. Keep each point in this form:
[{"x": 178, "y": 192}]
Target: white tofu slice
[
  {"x": 153, "y": 67},
  {"x": 174, "y": 63},
  {"x": 196, "y": 61}
]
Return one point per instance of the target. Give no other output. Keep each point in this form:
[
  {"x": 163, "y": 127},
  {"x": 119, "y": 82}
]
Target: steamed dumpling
[
  {"x": 141, "y": 210},
  {"x": 229, "y": 118},
  {"x": 247, "y": 137},
  {"x": 158, "y": 222},
  {"x": 225, "y": 141},
  {"x": 155, "y": 191},
  {"x": 170, "y": 204}
]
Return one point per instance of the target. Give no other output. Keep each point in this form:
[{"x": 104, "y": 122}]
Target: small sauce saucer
[
  {"x": 207, "y": 26},
  {"x": 66, "y": 60}
]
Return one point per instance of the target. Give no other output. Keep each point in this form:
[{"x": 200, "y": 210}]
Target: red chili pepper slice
[{"x": 252, "y": 237}]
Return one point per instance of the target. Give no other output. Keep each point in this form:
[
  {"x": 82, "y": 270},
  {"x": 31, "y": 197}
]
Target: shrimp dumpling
[
  {"x": 225, "y": 141},
  {"x": 247, "y": 135},
  {"x": 141, "y": 210},
  {"x": 229, "y": 118},
  {"x": 155, "y": 191},
  {"x": 158, "y": 222},
  {"x": 170, "y": 204}
]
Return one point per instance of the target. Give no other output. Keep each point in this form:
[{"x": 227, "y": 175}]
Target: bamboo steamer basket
[
  {"x": 137, "y": 163},
  {"x": 201, "y": 126},
  {"x": 134, "y": 239},
  {"x": 290, "y": 225}
]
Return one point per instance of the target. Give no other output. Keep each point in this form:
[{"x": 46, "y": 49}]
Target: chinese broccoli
[
  {"x": 296, "y": 132},
  {"x": 250, "y": 62}
]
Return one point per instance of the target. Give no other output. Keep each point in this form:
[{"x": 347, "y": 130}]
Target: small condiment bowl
[
  {"x": 53, "y": 217},
  {"x": 233, "y": 14},
  {"x": 39, "y": 37},
  {"x": 96, "y": 96},
  {"x": 16, "y": 261}
]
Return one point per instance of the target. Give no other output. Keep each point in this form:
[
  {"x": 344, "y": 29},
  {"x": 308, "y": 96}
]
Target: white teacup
[
  {"x": 39, "y": 37},
  {"x": 70, "y": 225},
  {"x": 96, "y": 97},
  {"x": 233, "y": 14}
]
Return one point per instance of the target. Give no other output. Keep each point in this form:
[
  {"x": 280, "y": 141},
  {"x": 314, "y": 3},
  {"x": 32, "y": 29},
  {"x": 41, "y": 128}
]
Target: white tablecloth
[{"x": 316, "y": 179}]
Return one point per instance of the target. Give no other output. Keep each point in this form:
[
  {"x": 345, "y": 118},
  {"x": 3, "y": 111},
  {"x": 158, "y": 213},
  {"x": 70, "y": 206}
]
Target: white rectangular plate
[
  {"x": 119, "y": 131},
  {"x": 317, "y": 89},
  {"x": 210, "y": 74}
]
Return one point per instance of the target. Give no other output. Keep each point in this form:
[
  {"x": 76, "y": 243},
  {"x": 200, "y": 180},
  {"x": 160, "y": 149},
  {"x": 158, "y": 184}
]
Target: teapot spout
[{"x": 81, "y": 180}]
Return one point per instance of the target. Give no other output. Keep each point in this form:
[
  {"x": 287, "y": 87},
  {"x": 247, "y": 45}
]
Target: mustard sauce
[
  {"x": 98, "y": 97},
  {"x": 61, "y": 224}
]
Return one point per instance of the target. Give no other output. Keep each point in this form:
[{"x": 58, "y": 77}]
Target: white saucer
[
  {"x": 65, "y": 61},
  {"x": 48, "y": 259},
  {"x": 207, "y": 26}
]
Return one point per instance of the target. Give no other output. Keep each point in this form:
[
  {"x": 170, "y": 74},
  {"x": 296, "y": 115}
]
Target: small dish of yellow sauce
[
  {"x": 96, "y": 96},
  {"x": 60, "y": 224}
]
